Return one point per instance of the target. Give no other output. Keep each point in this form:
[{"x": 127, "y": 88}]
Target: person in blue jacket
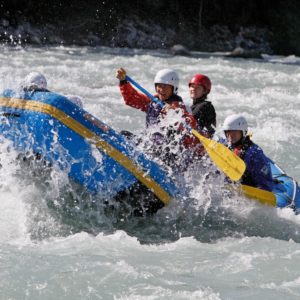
[{"x": 258, "y": 170}]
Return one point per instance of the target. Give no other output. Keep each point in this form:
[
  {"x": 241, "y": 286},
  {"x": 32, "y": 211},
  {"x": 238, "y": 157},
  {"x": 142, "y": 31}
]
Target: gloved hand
[{"x": 121, "y": 74}]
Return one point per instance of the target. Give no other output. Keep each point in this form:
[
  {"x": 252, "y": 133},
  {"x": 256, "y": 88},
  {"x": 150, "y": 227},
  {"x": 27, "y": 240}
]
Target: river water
[{"x": 217, "y": 247}]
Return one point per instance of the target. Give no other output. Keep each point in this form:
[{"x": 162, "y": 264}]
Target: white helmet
[
  {"x": 35, "y": 80},
  {"x": 236, "y": 122},
  {"x": 167, "y": 76},
  {"x": 76, "y": 100}
]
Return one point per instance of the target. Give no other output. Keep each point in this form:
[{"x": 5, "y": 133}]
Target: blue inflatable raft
[
  {"x": 93, "y": 154},
  {"x": 285, "y": 192},
  {"x": 286, "y": 189}
]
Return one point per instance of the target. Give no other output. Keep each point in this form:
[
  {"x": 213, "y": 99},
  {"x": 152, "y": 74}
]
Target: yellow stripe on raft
[{"x": 118, "y": 156}]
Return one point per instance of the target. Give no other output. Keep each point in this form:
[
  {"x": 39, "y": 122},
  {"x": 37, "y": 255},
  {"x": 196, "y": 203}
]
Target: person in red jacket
[{"x": 166, "y": 86}]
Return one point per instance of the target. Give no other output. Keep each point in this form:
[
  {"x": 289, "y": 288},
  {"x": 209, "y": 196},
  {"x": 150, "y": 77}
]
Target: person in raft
[
  {"x": 258, "y": 170},
  {"x": 202, "y": 109},
  {"x": 37, "y": 82},
  {"x": 166, "y": 83}
]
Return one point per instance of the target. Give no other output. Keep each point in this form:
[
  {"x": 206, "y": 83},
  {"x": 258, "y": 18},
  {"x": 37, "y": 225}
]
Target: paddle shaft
[{"x": 154, "y": 99}]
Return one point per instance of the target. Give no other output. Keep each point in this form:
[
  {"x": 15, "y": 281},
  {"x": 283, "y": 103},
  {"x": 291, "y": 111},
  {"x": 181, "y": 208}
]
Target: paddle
[
  {"x": 227, "y": 161},
  {"x": 262, "y": 196}
]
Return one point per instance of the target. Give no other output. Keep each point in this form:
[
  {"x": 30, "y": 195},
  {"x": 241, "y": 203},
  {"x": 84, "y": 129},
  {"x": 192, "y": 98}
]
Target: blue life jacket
[{"x": 258, "y": 171}]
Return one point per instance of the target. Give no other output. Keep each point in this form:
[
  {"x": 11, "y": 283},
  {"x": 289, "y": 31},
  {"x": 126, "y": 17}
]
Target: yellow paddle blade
[
  {"x": 227, "y": 161},
  {"x": 262, "y": 196}
]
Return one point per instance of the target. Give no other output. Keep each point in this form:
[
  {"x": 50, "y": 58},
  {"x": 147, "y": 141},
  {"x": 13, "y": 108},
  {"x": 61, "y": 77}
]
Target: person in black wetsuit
[{"x": 203, "y": 111}]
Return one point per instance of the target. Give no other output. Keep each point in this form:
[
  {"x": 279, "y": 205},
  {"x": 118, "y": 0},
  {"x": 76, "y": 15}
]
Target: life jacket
[
  {"x": 154, "y": 110},
  {"x": 205, "y": 114},
  {"x": 240, "y": 149}
]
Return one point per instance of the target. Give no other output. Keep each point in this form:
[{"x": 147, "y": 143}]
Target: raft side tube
[{"x": 49, "y": 117}]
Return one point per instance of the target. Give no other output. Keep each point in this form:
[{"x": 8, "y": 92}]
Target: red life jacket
[{"x": 242, "y": 146}]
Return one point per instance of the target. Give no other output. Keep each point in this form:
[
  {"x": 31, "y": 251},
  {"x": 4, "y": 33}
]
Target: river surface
[{"x": 217, "y": 247}]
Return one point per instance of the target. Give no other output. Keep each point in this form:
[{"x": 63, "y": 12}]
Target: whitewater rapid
[{"x": 215, "y": 247}]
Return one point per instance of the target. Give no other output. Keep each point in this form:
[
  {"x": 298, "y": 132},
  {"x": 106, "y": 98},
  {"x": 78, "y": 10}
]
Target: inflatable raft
[
  {"x": 285, "y": 193},
  {"x": 286, "y": 189},
  {"x": 92, "y": 153}
]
